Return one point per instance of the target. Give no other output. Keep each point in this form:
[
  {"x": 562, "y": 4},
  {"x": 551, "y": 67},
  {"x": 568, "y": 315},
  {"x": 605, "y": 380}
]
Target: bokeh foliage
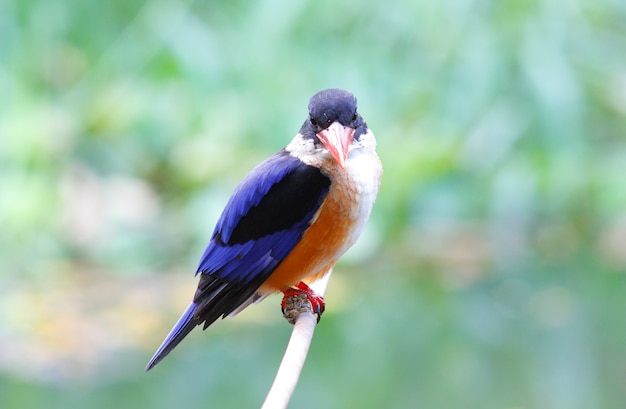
[{"x": 492, "y": 273}]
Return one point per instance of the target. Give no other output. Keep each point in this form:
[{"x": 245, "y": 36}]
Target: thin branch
[{"x": 290, "y": 367}]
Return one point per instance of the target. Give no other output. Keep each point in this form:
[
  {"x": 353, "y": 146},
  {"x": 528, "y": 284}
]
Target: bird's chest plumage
[
  {"x": 337, "y": 224},
  {"x": 351, "y": 196}
]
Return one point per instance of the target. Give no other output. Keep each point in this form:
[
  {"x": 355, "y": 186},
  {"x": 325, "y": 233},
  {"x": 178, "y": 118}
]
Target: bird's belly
[{"x": 335, "y": 228}]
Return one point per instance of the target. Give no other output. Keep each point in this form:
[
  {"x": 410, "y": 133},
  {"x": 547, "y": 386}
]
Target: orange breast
[
  {"x": 319, "y": 248},
  {"x": 339, "y": 221}
]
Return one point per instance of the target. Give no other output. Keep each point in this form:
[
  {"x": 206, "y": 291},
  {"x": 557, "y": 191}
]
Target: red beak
[{"x": 337, "y": 138}]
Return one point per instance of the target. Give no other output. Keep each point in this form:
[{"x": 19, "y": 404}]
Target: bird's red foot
[{"x": 296, "y": 300}]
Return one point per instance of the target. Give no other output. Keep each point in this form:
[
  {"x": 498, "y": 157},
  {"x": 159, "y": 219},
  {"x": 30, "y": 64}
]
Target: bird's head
[{"x": 334, "y": 122}]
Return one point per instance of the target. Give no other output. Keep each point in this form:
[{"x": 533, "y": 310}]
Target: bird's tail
[{"x": 185, "y": 324}]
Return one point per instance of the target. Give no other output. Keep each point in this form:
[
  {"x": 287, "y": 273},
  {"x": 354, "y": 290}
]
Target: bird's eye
[
  {"x": 313, "y": 121},
  {"x": 355, "y": 116}
]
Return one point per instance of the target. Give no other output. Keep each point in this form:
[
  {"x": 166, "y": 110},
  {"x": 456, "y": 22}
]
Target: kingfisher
[{"x": 290, "y": 219}]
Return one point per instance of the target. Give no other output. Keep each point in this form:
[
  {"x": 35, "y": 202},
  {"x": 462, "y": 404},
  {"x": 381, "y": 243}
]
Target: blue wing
[{"x": 262, "y": 222}]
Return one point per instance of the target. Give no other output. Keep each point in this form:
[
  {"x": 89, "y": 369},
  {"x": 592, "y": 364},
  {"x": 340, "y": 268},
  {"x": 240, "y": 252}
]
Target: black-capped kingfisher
[{"x": 290, "y": 219}]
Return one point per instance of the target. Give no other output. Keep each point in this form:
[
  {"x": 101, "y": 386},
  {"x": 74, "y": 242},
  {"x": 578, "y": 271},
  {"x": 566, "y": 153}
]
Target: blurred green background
[{"x": 491, "y": 275}]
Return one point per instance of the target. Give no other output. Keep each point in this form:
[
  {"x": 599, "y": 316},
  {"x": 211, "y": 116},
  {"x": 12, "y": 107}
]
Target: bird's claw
[{"x": 301, "y": 299}]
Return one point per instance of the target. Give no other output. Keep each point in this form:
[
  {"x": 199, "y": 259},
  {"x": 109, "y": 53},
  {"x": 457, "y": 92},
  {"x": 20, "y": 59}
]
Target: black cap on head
[{"x": 332, "y": 105}]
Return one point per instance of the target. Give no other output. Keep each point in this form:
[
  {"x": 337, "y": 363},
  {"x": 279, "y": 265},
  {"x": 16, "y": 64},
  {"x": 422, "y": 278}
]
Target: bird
[{"x": 290, "y": 219}]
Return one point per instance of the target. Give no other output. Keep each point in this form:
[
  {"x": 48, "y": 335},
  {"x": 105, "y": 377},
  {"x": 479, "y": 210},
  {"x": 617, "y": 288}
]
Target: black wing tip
[
  {"x": 186, "y": 323},
  {"x": 158, "y": 357},
  {"x": 153, "y": 362},
  {"x": 161, "y": 354}
]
